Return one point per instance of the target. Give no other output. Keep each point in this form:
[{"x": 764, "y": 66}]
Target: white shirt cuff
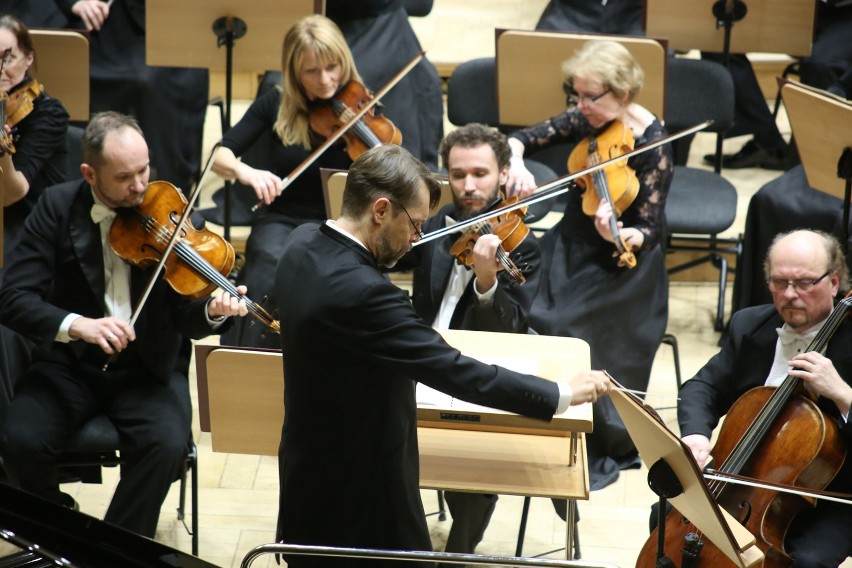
[
  {"x": 62, "y": 335},
  {"x": 487, "y": 297},
  {"x": 565, "y": 396},
  {"x": 216, "y": 322}
]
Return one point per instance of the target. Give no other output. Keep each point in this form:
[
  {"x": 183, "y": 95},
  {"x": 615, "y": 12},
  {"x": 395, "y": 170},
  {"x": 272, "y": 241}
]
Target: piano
[{"x": 51, "y": 535}]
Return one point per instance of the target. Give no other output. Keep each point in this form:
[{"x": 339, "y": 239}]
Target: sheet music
[{"x": 428, "y": 397}]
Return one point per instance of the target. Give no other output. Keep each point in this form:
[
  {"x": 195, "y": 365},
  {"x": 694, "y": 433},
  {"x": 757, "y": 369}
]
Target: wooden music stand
[
  {"x": 179, "y": 35},
  {"x": 775, "y": 26},
  {"x": 529, "y": 89},
  {"x": 657, "y": 444},
  {"x": 62, "y": 66},
  {"x": 244, "y": 411},
  {"x": 334, "y": 182},
  {"x": 822, "y": 127}
]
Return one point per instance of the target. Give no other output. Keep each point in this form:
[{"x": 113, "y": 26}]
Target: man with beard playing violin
[
  {"x": 67, "y": 291},
  {"x": 449, "y": 295},
  {"x": 804, "y": 272}
]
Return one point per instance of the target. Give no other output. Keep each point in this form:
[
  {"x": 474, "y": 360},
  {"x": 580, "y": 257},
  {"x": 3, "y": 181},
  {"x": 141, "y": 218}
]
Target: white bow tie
[
  {"x": 788, "y": 336},
  {"x": 101, "y": 212}
]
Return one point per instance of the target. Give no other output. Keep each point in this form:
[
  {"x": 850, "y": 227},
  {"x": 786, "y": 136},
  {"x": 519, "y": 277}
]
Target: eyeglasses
[
  {"x": 801, "y": 284},
  {"x": 576, "y": 98},
  {"x": 416, "y": 226}
]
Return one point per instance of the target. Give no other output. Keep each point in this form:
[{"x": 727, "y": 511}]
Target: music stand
[
  {"x": 179, "y": 35},
  {"x": 822, "y": 127},
  {"x": 662, "y": 451},
  {"x": 529, "y": 90},
  {"x": 62, "y": 66},
  {"x": 775, "y": 26}
]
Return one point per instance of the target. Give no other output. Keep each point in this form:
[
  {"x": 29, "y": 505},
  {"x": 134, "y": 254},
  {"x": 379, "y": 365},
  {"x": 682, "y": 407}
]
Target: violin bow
[
  {"x": 176, "y": 235},
  {"x": 334, "y": 137},
  {"x": 557, "y": 186}
]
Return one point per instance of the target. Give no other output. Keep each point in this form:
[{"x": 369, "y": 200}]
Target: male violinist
[
  {"x": 449, "y": 295},
  {"x": 67, "y": 291},
  {"x": 804, "y": 271}
]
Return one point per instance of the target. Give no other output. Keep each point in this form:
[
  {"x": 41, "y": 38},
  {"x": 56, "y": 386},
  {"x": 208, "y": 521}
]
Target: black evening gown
[{"x": 622, "y": 313}]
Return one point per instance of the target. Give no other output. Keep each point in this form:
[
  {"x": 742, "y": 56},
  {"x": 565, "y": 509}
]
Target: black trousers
[{"x": 153, "y": 420}]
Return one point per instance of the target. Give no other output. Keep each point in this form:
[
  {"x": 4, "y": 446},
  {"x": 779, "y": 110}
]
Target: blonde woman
[
  {"x": 585, "y": 292},
  {"x": 316, "y": 62}
]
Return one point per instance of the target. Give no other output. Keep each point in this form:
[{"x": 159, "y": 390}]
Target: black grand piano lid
[{"x": 82, "y": 540}]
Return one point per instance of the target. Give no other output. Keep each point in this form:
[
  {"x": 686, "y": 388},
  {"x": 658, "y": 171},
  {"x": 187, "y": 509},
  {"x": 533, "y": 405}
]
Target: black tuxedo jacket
[
  {"x": 57, "y": 269},
  {"x": 353, "y": 349},
  {"x": 744, "y": 363},
  {"x": 433, "y": 264}
]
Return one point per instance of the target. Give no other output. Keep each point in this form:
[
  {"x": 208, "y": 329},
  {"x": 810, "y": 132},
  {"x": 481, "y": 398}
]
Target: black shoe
[
  {"x": 750, "y": 156},
  {"x": 68, "y": 502}
]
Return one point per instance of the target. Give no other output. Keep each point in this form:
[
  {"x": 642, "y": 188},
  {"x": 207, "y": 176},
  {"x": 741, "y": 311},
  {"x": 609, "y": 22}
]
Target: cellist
[{"x": 804, "y": 272}]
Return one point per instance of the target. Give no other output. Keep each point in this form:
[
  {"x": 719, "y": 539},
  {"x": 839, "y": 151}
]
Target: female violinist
[
  {"x": 804, "y": 272},
  {"x": 35, "y": 129},
  {"x": 585, "y": 292},
  {"x": 35, "y": 157},
  {"x": 317, "y": 63}
]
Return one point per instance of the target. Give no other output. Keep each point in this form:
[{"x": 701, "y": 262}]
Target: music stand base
[{"x": 663, "y": 481}]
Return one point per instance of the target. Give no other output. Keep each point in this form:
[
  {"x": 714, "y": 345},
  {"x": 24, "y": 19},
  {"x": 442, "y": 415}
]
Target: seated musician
[
  {"x": 804, "y": 271},
  {"x": 66, "y": 290},
  {"x": 317, "y": 63},
  {"x": 480, "y": 297},
  {"x": 586, "y": 290},
  {"x": 32, "y": 159}
]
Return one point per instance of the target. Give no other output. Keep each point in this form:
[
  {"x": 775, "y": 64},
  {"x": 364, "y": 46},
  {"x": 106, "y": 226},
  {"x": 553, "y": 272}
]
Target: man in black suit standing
[
  {"x": 353, "y": 349},
  {"x": 483, "y": 297},
  {"x": 67, "y": 291},
  {"x": 765, "y": 344}
]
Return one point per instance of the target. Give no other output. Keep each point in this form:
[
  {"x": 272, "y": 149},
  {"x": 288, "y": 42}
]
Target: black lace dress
[{"x": 621, "y": 312}]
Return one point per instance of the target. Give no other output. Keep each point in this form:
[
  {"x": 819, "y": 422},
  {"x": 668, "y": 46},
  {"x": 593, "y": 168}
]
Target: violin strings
[{"x": 191, "y": 257}]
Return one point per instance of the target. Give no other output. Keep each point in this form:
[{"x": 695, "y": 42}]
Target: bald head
[{"x": 804, "y": 270}]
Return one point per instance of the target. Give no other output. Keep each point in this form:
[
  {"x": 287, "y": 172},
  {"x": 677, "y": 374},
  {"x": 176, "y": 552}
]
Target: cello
[{"x": 775, "y": 434}]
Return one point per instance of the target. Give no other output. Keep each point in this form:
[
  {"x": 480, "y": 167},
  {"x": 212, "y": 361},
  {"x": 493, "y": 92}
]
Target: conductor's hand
[
  {"x": 266, "y": 185},
  {"x": 93, "y": 13},
  {"x": 699, "y": 444},
  {"x": 224, "y": 304},
  {"x": 111, "y": 334},
  {"x": 588, "y": 386}
]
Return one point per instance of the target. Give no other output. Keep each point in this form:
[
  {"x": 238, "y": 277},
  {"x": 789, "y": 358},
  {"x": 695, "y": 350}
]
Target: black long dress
[
  {"x": 301, "y": 202},
  {"x": 622, "y": 313},
  {"x": 41, "y": 156}
]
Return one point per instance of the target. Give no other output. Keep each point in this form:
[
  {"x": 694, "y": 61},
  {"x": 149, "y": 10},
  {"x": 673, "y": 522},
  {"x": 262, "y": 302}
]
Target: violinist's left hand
[
  {"x": 224, "y": 304},
  {"x": 485, "y": 263},
  {"x": 632, "y": 238},
  {"x": 822, "y": 378}
]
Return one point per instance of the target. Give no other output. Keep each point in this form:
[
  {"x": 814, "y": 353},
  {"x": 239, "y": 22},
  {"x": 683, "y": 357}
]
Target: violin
[
  {"x": 201, "y": 259},
  {"x": 616, "y": 184},
  {"x": 15, "y": 107},
  {"x": 508, "y": 227},
  {"x": 777, "y": 434},
  {"x": 370, "y": 131}
]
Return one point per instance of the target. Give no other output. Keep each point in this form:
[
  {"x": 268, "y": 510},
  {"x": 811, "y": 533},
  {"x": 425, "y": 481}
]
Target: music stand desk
[
  {"x": 775, "y": 26},
  {"x": 822, "y": 126},
  {"x": 529, "y": 72},
  {"x": 241, "y": 404},
  {"x": 63, "y": 69}
]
